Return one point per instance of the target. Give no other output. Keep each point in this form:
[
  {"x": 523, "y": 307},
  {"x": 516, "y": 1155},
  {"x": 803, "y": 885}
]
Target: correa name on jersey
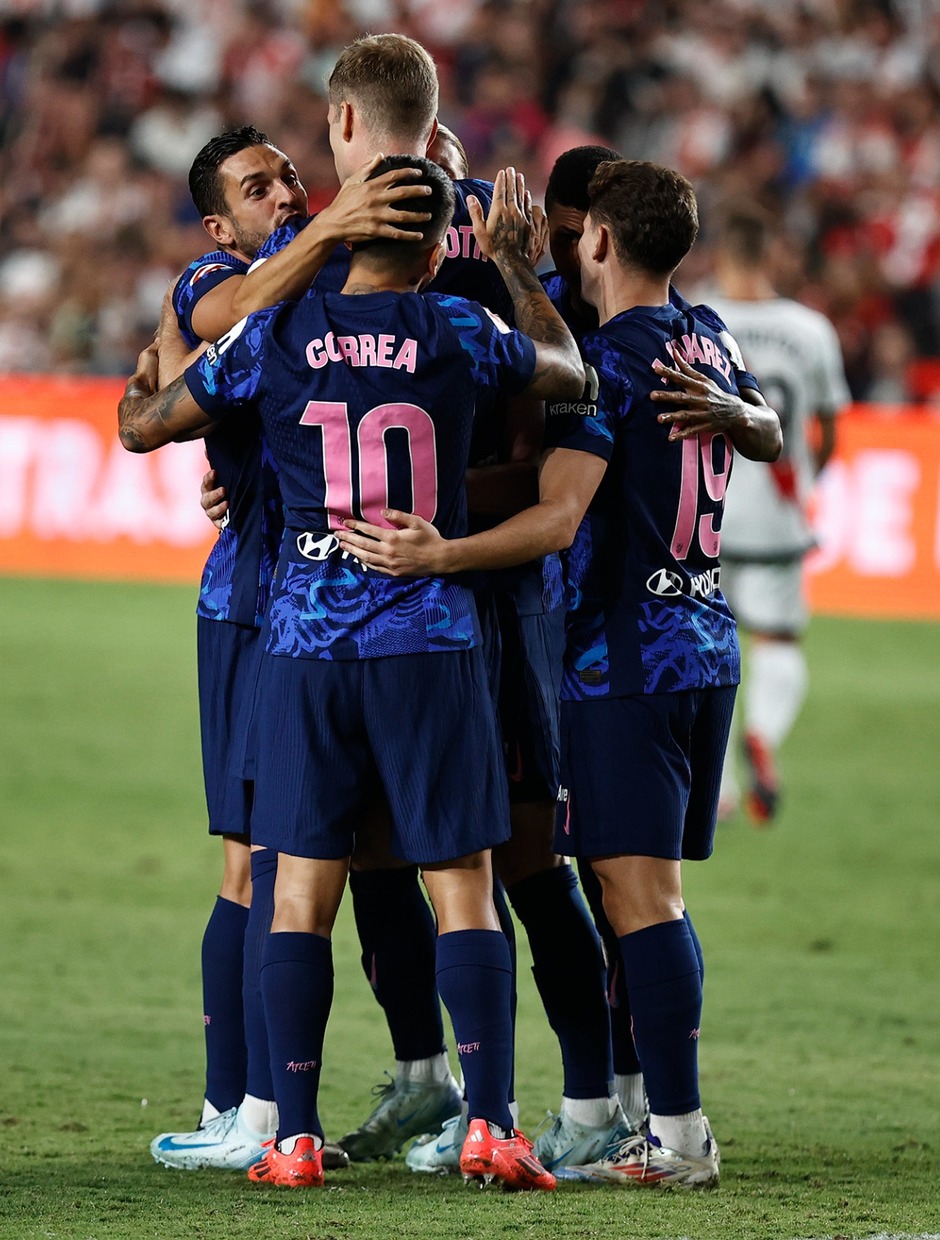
[{"x": 355, "y": 436}]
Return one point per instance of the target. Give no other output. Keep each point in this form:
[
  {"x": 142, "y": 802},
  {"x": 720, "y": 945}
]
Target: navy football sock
[
  {"x": 696, "y": 945},
  {"x": 625, "y": 1058},
  {"x": 508, "y": 927},
  {"x": 666, "y": 996},
  {"x": 223, "y": 951},
  {"x": 474, "y": 977},
  {"x": 568, "y": 966},
  {"x": 397, "y": 935},
  {"x": 261, "y": 913},
  {"x": 297, "y": 984}
]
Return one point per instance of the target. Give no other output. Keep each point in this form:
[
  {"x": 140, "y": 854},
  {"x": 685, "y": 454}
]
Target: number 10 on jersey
[{"x": 365, "y": 460}]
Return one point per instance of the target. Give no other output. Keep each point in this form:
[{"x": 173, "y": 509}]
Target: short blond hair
[{"x": 392, "y": 80}]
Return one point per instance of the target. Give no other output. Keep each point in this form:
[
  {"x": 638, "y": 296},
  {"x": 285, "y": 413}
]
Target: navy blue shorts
[
  {"x": 524, "y": 654},
  {"x": 419, "y": 728},
  {"x": 228, "y": 658},
  {"x": 640, "y": 775}
]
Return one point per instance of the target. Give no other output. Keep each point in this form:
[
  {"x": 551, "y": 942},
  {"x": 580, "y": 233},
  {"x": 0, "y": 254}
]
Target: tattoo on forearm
[
  {"x": 137, "y": 412},
  {"x": 535, "y": 314}
]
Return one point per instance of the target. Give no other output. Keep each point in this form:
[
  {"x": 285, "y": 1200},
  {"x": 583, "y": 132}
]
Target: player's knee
[
  {"x": 639, "y": 892},
  {"x": 236, "y": 872}
]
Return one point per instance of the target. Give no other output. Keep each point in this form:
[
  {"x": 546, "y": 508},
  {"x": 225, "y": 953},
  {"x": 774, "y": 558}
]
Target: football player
[
  {"x": 766, "y": 532},
  {"x": 244, "y": 188},
  {"x": 635, "y": 489},
  {"x": 366, "y": 682}
]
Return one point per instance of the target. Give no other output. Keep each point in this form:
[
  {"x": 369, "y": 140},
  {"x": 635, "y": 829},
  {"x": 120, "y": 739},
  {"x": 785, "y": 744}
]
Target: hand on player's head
[
  {"x": 506, "y": 231},
  {"x": 365, "y": 208},
  {"x": 366, "y": 203}
]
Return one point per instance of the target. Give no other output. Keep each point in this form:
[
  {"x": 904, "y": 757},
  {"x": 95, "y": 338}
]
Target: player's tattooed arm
[
  {"x": 148, "y": 419},
  {"x": 701, "y": 405},
  {"x": 173, "y": 353},
  {"x": 506, "y": 237}
]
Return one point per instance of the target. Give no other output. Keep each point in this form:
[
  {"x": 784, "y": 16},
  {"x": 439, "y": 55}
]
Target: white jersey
[{"x": 794, "y": 353}]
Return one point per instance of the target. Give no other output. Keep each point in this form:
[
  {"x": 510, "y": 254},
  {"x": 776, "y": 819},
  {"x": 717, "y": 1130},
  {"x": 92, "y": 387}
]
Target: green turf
[{"x": 821, "y": 1039}]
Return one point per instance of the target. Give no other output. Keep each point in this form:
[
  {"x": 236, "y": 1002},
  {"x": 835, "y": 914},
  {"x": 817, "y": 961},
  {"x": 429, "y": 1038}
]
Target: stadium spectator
[{"x": 829, "y": 112}]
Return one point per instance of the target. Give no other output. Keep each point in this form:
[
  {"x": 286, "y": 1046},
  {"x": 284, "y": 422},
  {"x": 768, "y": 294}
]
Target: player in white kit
[{"x": 795, "y": 354}]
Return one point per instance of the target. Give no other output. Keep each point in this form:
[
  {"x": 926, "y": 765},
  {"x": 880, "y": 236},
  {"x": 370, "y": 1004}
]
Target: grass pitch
[{"x": 821, "y": 1038}]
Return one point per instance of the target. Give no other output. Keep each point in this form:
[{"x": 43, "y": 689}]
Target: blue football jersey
[
  {"x": 646, "y": 612},
  {"x": 465, "y": 272},
  {"x": 200, "y": 277},
  {"x": 366, "y": 402},
  {"x": 236, "y": 579},
  {"x": 560, "y": 295}
]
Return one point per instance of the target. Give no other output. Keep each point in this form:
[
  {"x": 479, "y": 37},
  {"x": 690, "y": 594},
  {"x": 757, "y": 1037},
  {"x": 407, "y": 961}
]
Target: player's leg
[
  {"x": 441, "y": 769},
  {"x": 400, "y": 968},
  {"x": 222, "y": 966},
  {"x": 297, "y": 986},
  {"x": 438, "y": 1151},
  {"x": 567, "y": 959},
  {"x": 227, "y": 663},
  {"x": 628, "y": 1077},
  {"x": 631, "y": 819},
  {"x": 227, "y": 656},
  {"x": 475, "y": 978},
  {"x": 643, "y": 899},
  {"x": 569, "y": 971},
  {"x": 313, "y": 778},
  {"x": 769, "y": 601},
  {"x": 774, "y": 694}
]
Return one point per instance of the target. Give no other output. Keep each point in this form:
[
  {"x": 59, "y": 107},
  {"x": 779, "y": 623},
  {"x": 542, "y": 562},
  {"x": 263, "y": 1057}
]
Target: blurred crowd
[{"x": 826, "y": 111}]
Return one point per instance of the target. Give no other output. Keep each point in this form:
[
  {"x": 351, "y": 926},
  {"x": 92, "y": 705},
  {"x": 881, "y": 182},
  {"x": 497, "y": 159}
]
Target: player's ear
[
  {"x": 601, "y": 244},
  {"x": 219, "y": 229},
  {"x": 431, "y": 136},
  {"x": 346, "y": 120},
  {"x": 435, "y": 256}
]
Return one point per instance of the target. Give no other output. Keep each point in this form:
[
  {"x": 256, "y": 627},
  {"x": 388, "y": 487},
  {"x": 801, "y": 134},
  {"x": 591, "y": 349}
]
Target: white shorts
[{"x": 766, "y": 598}]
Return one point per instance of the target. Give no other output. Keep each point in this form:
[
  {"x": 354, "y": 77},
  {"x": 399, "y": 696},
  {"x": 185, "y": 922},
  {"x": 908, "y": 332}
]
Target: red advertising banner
[
  {"x": 74, "y": 503},
  {"x": 877, "y": 515}
]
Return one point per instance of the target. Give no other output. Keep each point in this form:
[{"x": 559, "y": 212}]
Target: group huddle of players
[{"x": 397, "y": 671}]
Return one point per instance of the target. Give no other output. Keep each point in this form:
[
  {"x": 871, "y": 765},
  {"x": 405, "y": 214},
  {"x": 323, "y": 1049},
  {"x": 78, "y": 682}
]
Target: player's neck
[
  {"x": 583, "y": 311},
  {"x": 401, "y": 144},
  {"x": 364, "y": 279},
  {"x": 623, "y": 289}
]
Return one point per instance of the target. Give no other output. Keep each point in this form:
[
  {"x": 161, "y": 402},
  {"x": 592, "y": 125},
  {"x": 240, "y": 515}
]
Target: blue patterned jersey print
[
  {"x": 558, "y": 291},
  {"x": 236, "y": 579},
  {"x": 646, "y": 612},
  {"x": 200, "y": 277},
  {"x": 465, "y": 272},
  {"x": 366, "y": 402}
]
